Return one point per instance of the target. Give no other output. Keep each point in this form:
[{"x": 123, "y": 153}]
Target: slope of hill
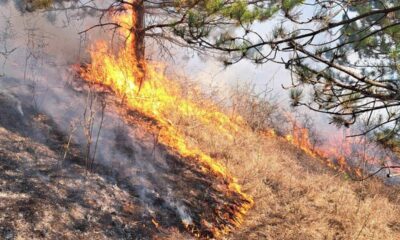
[
  {"x": 46, "y": 193},
  {"x": 297, "y": 196},
  {"x": 44, "y": 196}
]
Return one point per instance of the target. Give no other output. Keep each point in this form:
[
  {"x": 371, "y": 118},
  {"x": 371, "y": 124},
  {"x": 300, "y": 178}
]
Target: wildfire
[
  {"x": 164, "y": 101},
  {"x": 167, "y": 102},
  {"x": 335, "y": 153},
  {"x": 338, "y": 151}
]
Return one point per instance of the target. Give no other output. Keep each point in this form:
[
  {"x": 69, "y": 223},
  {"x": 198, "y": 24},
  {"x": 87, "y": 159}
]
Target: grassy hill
[
  {"x": 43, "y": 196},
  {"x": 297, "y": 196}
]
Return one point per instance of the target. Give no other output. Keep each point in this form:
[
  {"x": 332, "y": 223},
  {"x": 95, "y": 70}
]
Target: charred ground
[{"x": 47, "y": 195}]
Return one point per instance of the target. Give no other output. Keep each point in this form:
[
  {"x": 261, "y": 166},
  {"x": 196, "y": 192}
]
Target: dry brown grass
[{"x": 296, "y": 196}]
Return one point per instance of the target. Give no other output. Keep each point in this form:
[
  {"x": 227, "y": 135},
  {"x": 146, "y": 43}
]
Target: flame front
[
  {"x": 164, "y": 101},
  {"x": 338, "y": 151}
]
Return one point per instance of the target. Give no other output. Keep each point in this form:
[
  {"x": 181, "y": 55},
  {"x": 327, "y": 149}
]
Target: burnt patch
[
  {"x": 154, "y": 192},
  {"x": 7, "y": 231},
  {"x": 81, "y": 225}
]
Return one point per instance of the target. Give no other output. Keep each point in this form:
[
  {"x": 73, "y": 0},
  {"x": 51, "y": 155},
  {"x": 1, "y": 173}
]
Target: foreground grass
[{"x": 296, "y": 197}]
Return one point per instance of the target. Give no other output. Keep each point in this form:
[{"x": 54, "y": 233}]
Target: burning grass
[
  {"x": 151, "y": 193},
  {"x": 164, "y": 101}
]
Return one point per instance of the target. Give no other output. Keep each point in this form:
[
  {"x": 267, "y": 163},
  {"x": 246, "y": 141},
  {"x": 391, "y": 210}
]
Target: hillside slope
[
  {"x": 299, "y": 198},
  {"x": 296, "y": 197},
  {"x": 141, "y": 191}
]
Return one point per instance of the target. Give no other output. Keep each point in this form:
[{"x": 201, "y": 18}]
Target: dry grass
[{"x": 296, "y": 197}]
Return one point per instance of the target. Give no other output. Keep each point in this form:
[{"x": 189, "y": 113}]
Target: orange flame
[
  {"x": 334, "y": 154},
  {"x": 155, "y": 223},
  {"x": 163, "y": 100}
]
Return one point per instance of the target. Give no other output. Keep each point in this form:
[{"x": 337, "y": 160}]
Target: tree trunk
[{"x": 138, "y": 44}]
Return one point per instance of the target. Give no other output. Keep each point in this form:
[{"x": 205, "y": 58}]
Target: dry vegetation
[
  {"x": 297, "y": 196},
  {"x": 293, "y": 202}
]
